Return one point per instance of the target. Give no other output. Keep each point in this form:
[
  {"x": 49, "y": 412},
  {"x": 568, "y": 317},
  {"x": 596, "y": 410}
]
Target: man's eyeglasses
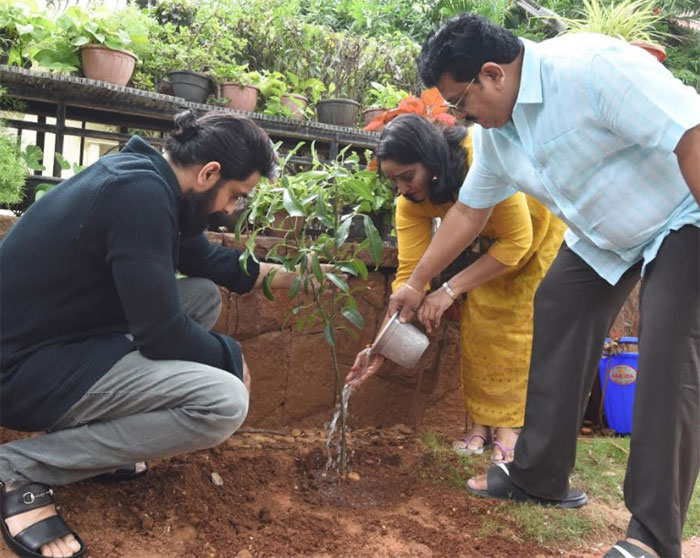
[{"x": 458, "y": 106}]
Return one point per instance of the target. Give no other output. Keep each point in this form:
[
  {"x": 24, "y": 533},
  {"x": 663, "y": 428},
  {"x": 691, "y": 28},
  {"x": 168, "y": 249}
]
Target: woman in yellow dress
[{"x": 428, "y": 166}]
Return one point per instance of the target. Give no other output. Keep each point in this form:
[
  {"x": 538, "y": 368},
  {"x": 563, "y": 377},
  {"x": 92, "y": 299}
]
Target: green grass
[
  {"x": 600, "y": 471},
  {"x": 545, "y": 525},
  {"x": 692, "y": 520},
  {"x": 600, "y": 468},
  {"x": 441, "y": 464}
]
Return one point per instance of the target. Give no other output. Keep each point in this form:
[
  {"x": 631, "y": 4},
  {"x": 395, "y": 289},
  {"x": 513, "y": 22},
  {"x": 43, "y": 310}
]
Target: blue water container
[{"x": 618, "y": 378}]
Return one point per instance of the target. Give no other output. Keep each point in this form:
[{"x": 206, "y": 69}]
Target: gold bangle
[{"x": 411, "y": 288}]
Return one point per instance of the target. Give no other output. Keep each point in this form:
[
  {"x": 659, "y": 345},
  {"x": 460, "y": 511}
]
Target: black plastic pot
[
  {"x": 191, "y": 86},
  {"x": 340, "y": 112}
]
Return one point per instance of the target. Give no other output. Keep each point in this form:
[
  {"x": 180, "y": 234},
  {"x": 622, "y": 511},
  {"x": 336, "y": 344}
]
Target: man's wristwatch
[{"x": 449, "y": 291}]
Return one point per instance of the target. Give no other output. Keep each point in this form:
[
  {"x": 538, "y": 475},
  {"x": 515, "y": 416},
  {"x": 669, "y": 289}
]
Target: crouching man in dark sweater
[{"x": 102, "y": 346}]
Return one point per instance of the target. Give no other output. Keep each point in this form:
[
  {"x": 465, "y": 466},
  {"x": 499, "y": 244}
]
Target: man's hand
[
  {"x": 405, "y": 300},
  {"x": 433, "y": 307},
  {"x": 366, "y": 364}
]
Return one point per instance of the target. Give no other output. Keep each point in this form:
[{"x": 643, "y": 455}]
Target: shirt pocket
[{"x": 567, "y": 160}]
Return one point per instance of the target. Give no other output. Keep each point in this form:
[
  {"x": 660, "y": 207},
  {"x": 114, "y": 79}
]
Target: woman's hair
[
  {"x": 410, "y": 138},
  {"x": 462, "y": 46},
  {"x": 239, "y": 145}
]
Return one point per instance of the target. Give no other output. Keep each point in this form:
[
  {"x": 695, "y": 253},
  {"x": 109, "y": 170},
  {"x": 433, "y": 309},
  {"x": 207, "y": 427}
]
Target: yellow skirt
[{"x": 496, "y": 330}]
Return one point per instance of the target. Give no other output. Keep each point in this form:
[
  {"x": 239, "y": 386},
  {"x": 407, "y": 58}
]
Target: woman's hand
[
  {"x": 433, "y": 307},
  {"x": 406, "y": 301},
  {"x": 366, "y": 364}
]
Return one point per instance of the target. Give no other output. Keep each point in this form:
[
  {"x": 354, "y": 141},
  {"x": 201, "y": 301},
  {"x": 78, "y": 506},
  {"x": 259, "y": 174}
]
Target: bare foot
[
  {"x": 506, "y": 437},
  {"x": 478, "y": 483},
  {"x": 476, "y": 441},
  {"x": 61, "y": 547}
]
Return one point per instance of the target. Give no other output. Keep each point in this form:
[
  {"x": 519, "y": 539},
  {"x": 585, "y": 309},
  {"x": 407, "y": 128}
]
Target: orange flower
[{"x": 431, "y": 105}]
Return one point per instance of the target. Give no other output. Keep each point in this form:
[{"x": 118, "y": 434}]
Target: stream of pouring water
[{"x": 345, "y": 398}]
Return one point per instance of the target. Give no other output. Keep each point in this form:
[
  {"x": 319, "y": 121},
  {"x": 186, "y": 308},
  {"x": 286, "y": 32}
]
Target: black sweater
[{"x": 92, "y": 260}]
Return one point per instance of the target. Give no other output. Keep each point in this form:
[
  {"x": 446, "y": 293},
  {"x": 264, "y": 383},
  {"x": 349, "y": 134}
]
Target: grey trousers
[
  {"x": 140, "y": 409},
  {"x": 574, "y": 310}
]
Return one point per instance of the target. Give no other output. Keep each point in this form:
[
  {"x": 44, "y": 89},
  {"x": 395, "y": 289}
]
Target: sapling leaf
[
  {"x": 375, "y": 241},
  {"x": 341, "y": 235},
  {"x": 338, "y": 281},
  {"x": 316, "y": 268},
  {"x": 266, "y": 284},
  {"x": 329, "y": 334},
  {"x": 243, "y": 217},
  {"x": 294, "y": 289},
  {"x": 353, "y": 316},
  {"x": 243, "y": 261}
]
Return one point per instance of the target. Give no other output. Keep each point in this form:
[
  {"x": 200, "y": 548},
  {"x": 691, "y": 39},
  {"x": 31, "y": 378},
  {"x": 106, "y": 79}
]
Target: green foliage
[
  {"x": 630, "y": 20},
  {"x": 312, "y": 195},
  {"x": 230, "y": 72},
  {"x": 22, "y": 26},
  {"x": 385, "y": 96},
  {"x": 13, "y": 169},
  {"x": 345, "y": 64},
  {"x": 684, "y": 56},
  {"x": 495, "y": 10}
]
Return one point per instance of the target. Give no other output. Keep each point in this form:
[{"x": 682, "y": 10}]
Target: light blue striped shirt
[{"x": 592, "y": 137}]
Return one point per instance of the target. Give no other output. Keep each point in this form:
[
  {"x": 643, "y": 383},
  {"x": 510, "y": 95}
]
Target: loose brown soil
[{"x": 278, "y": 500}]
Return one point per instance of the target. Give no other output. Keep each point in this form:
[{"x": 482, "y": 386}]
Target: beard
[{"x": 195, "y": 210}]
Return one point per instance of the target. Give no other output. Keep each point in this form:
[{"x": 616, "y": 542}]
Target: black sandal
[
  {"x": 123, "y": 473},
  {"x": 500, "y": 487},
  {"x": 624, "y": 549},
  {"x": 27, "y": 542}
]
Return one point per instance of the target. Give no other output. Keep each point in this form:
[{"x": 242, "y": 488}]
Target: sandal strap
[
  {"x": 25, "y": 498},
  {"x": 624, "y": 549},
  {"x": 468, "y": 439},
  {"x": 37, "y": 535}
]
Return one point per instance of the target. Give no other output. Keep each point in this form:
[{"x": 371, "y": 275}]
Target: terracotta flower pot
[
  {"x": 240, "y": 98},
  {"x": 656, "y": 50},
  {"x": 370, "y": 113},
  {"x": 295, "y": 103},
  {"x": 106, "y": 64},
  {"x": 283, "y": 224}
]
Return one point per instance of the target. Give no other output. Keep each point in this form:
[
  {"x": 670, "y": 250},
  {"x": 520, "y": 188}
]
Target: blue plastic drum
[{"x": 618, "y": 378}]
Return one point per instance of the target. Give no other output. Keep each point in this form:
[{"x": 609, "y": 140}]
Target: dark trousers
[{"x": 574, "y": 310}]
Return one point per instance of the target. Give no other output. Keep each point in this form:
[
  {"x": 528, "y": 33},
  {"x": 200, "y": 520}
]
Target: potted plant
[
  {"x": 272, "y": 209},
  {"x": 634, "y": 21},
  {"x": 190, "y": 51},
  {"x": 362, "y": 191},
  {"x": 287, "y": 95},
  {"x": 238, "y": 85},
  {"x": 381, "y": 98},
  {"x": 102, "y": 43},
  {"x": 341, "y": 75}
]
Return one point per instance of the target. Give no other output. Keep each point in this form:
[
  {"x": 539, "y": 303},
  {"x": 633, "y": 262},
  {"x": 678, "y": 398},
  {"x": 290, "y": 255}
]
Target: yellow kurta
[{"x": 496, "y": 318}]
